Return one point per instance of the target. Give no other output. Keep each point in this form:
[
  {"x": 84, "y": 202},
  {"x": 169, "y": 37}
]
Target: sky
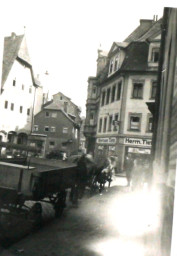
[{"x": 63, "y": 36}]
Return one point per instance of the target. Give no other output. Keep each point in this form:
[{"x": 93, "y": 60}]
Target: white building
[{"x": 21, "y": 94}]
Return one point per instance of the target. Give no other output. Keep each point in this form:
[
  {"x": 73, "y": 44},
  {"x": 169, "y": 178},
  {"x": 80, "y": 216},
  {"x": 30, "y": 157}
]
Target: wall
[
  {"x": 58, "y": 136},
  {"x": 14, "y": 120}
]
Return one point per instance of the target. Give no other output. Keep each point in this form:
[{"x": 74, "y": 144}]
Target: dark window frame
[
  {"x": 100, "y": 125},
  {"x": 134, "y": 115},
  {"x": 12, "y": 107},
  {"x": 6, "y": 104},
  {"x": 110, "y": 123},
  {"x": 119, "y": 90},
  {"x": 113, "y": 93},
  {"x": 137, "y": 92},
  {"x": 105, "y": 125},
  {"x": 153, "y": 90},
  {"x": 103, "y": 98},
  {"x": 108, "y": 93}
]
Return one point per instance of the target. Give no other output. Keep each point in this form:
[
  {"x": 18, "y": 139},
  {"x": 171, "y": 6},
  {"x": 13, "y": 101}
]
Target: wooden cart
[{"x": 21, "y": 183}]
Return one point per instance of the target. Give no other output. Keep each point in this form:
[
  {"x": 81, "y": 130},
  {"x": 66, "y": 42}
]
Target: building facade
[
  {"x": 122, "y": 122},
  {"x": 21, "y": 93},
  {"x": 57, "y": 127}
]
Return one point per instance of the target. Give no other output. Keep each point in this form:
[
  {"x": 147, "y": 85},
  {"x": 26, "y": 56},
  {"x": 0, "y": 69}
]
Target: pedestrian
[
  {"x": 128, "y": 169},
  {"x": 137, "y": 177}
]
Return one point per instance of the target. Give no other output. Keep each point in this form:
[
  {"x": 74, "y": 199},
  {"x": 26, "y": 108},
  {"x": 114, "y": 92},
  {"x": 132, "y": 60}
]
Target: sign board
[
  {"x": 139, "y": 151},
  {"x": 138, "y": 142},
  {"x": 111, "y": 140}
]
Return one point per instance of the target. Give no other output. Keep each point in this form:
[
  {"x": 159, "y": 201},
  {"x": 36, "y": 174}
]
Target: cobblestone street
[{"x": 115, "y": 223}]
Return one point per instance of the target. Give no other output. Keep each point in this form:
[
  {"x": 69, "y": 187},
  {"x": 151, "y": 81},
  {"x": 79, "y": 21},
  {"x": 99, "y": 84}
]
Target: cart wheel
[
  {"x": 60, "y": 204},
  {"x": 35, "y": 216}
]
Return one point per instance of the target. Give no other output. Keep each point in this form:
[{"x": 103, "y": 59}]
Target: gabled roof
[
  {"x": 140, "y": 30},
  {"x": 117, "y": 45},
  {"x": 54, "y": 106},
  {"x": 153, "y": 32},
  {"x": 60, "y": 93},
  {"x": 14, "y": 48}
]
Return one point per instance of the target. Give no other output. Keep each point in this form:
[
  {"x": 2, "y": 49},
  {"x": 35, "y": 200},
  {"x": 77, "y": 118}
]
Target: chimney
[
  {"x": 146, "y": 22},
  {"x": 13, "y": 35}
]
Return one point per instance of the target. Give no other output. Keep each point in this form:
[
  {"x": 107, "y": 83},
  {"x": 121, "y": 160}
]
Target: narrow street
[{"x": 118, "y": 222}]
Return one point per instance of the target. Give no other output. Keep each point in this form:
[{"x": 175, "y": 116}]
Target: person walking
[{"x": 128, "y": 169}]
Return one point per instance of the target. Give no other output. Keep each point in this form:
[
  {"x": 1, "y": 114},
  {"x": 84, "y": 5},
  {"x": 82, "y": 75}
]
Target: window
[
  {"x": 46, "y": 129},
  {"x": 36, "y": 128},
  {"x": 119, "y": 88},
  {"x": 51, "y": 144},
  {"x": 28, "y": 111},
  {"x": 108, "y": 95},
  {"x": 137, "y": 91},
  {"x": 116, "y": 63},
  {"x": 155, "y": 55},
  {"x": 115, "y": 122},
  {"x": 94, "y": 90},
  {"x": 66, "y": 107},
  {"x": 135, "y": 122},
  {"x": 100, "y": 125},
  {"x": 113, "y": 93},
  {"x": 47, "y": 114},
  {"x": 65, "y": 130},
  {"x": 12, "y": 106},
  {"x": 103, "y": 98},
  {"x": 111, "y": 66},
  {"x": 110, "y": 124},
  {"x": 52, "y": 129},
  {"x": 30, "y": 89},
  {"x": 54, "y": 114},
  {"x": 61, "y": 97},
  {"x": 154, "y": 89},
  {"x": 23, "y": 87},
  {"x": 14, "y": 82},
  {"x": 6, "y": 104},
  {"x": 91, "y": 116},
  {"x": 21, "y": 109},
  {"x": 105, "y": 124},
  {"x": 150, "y": 124}
]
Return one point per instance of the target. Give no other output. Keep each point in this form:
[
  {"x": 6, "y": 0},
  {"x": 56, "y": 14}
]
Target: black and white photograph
[{"x": 88, "y": 128}]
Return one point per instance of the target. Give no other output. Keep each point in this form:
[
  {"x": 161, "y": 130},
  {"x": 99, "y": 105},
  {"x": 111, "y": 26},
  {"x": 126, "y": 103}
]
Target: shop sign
[
  {"x": 139, "y": 151},
  {"x": 106, "y": 140},
  {"x": 137, "y": 141}
]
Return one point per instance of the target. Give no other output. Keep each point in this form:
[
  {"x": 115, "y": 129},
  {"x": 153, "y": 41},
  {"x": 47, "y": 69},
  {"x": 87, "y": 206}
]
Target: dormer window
[
  {"x": 111, "y": 66},
  {"x": 155, "y": 55},
  {"x": 114, "y": 64}
]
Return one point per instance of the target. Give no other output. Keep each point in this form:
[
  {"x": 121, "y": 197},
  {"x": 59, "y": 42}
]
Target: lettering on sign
[
  {"x": 136, "y": 141},
  {"x": 106, "y": 140}
]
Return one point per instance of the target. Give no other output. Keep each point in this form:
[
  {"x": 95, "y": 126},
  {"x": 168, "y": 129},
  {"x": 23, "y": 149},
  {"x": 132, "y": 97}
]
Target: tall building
[
  {"x": 20, "y": 93},
  {"x": 118, "y": 121}
]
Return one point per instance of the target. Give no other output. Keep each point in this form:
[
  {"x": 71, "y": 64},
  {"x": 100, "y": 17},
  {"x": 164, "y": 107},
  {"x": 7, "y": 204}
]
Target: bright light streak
[
  {"x": 114, "y": 247},
  {"x": 135, "y": 214}
]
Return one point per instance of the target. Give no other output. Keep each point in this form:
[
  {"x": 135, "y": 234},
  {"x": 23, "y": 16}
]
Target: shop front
[
  {"x": 137, "y": 148},
  {"x": 105, "y": 147}
]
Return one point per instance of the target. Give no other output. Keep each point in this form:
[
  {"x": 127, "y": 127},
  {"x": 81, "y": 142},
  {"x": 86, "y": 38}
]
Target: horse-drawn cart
[{"x": 21, "y": 183}]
